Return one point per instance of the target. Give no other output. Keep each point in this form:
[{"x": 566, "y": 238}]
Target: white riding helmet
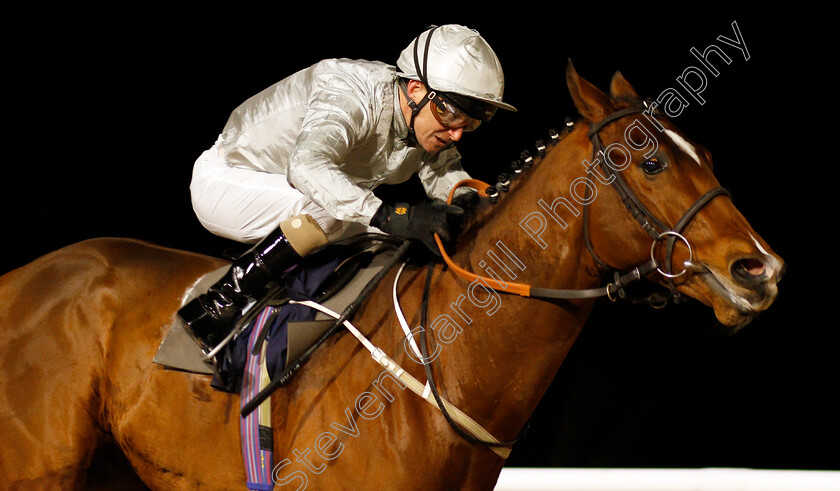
[{"x": 456, "y": 60}]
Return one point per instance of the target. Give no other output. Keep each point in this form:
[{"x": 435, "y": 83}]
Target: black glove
[
  {"x": 419, "y": 222},
  {"x": 467, "y": 200}
]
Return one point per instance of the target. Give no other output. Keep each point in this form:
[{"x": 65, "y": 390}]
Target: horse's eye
[{"x": 652, "y": 166}]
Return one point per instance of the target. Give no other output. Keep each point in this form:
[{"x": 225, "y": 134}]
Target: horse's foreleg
[{"x": 180, "y": 433}]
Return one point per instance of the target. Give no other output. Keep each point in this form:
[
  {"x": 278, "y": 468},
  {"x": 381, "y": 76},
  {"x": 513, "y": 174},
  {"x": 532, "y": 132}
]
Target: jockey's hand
[
  {"x": 419, "y": 222},
  {"x": 467, "y": 200}
]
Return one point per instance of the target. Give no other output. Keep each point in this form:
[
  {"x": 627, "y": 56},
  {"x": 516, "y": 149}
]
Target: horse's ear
[
  {"x": 620, "y": 88},
  {"x": 590, "y": 101}
]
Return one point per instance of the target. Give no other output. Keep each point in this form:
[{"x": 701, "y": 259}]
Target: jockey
[{"x": 296, "y": 164}]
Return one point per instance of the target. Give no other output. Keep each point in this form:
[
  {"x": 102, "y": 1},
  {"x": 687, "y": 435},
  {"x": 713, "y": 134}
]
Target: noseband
[{"x": 656, "y": 228}]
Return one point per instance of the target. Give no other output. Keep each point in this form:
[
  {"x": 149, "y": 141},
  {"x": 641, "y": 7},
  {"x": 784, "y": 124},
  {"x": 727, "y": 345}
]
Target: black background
[{"x": 107, "y": 111}]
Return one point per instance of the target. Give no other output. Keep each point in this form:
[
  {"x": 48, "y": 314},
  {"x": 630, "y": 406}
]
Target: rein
[
  {"x": 524, "y": 290},
  {"x": 493, "y": 444}
]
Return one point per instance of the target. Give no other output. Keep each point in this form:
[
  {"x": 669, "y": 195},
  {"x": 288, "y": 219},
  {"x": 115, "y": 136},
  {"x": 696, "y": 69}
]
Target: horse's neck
[
  {"x": 555, "y": 257},
  {"x": 513, "y": 346}
]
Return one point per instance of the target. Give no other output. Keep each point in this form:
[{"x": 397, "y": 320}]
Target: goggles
[{"x": 449, "y": 115}]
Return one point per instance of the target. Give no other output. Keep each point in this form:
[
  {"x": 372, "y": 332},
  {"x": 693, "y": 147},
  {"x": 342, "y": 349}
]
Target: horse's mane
[
  {"x": 479, "y": 215},
  {"x": 520, "y": 171}
]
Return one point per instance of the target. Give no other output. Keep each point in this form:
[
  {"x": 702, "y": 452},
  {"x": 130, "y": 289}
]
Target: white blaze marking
[
  {"x": 684, "y": 145},
  {"x": 771, "y": 263},
  {"x": 760, "y": 249}
]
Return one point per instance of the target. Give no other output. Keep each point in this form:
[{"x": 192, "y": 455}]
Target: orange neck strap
[{"x": 516, "y": 288}]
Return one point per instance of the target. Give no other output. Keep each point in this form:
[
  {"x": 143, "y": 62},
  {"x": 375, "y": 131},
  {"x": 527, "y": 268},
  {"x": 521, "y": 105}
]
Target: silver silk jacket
[{"x": 336, "y": 132}]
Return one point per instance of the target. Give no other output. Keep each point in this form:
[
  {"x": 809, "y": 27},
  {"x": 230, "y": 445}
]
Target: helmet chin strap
[
  {"x": 430, "y": 93},
  {"x": 414, "y": 106}
]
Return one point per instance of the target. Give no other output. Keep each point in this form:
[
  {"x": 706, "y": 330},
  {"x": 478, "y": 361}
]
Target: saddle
[{"x": 333, "y": 276}]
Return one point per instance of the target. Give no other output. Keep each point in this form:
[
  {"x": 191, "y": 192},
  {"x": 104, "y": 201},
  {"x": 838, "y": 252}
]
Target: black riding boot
[{"x": 209, "y": 317}]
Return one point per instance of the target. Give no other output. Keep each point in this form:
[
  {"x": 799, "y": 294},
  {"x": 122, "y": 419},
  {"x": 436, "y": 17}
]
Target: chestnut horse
[{"x": 79, "y": 327}]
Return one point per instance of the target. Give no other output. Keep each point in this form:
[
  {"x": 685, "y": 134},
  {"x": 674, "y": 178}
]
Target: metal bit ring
[{"x": 677, "y": 235}]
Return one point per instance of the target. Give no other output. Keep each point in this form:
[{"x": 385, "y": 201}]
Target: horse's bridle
[
  {"x": 652, "y": 225},
  {"x": 657, "y": 229}
]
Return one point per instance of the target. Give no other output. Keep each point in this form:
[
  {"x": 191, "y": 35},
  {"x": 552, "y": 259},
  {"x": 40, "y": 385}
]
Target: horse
[{"x": 80, "y": 325}]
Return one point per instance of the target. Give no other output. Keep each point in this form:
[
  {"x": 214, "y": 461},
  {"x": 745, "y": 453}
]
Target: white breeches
[{"x": 245, "y": 205}]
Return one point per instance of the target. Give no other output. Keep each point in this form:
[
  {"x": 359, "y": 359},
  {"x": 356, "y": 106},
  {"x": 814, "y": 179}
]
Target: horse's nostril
[
  {"x": 748, "y": 271},
  {"x": 753, "y": 267}
]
